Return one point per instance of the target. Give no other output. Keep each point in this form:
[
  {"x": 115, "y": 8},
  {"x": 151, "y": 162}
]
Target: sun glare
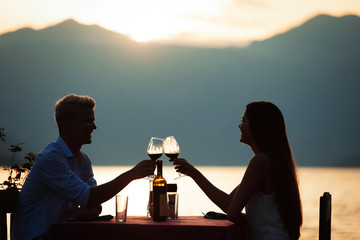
[
  {"x": 144, "y": 21},
  {"x": 140, "y": 37}
]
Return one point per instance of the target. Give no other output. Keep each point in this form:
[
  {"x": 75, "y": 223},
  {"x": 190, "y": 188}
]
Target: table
[{"x": 183, "y": 228}]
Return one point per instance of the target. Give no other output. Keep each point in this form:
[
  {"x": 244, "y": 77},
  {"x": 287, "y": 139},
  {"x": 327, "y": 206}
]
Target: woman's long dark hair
[{"x": 267, "y": 126}]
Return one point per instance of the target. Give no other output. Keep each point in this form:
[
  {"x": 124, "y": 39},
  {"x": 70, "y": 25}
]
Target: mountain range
[{"x": 198, "y": 95}]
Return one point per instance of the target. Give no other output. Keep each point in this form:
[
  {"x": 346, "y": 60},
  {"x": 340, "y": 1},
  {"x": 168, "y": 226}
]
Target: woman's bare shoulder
[{"x": 260, "y": 162}]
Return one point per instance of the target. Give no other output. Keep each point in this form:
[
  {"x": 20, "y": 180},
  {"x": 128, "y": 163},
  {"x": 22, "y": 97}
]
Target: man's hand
[
  {"x": 82, "y": 212},
  {"x": 104, "y": 192},
  {"x": 143, "y": 169}
]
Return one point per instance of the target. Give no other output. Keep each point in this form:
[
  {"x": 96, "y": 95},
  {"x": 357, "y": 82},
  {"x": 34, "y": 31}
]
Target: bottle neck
[{"x": 159, "y": 168}]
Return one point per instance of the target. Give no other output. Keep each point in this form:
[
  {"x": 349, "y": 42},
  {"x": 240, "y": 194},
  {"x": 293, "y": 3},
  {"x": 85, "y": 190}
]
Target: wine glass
[
  {"x": 172, "y": 149},
  {"x": 155, "y": 150}
]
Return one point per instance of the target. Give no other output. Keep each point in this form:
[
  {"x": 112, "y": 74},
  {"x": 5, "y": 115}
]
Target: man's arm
[
  {"x": 104, "y": 192},
  {"x": 82, "y": 212}
]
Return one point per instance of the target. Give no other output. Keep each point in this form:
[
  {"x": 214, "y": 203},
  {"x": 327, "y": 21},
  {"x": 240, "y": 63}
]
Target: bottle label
[{"x": 163, "y": 205}]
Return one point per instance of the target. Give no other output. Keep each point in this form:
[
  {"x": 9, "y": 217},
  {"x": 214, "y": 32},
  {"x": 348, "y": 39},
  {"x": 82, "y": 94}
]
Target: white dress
[{"x": 264, "y": 219}]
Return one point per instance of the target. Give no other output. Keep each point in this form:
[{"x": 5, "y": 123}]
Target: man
[{"x": 61, "y": 183}]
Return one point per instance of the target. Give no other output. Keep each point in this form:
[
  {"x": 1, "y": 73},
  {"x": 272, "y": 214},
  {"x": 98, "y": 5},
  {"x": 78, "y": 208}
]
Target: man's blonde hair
[{"x": 68, "y": 106}]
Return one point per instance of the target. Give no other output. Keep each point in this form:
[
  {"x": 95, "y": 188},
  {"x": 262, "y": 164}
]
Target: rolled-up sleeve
[
  {"x": 88, "y": 172},
  {"x": 59, "y": 177}
]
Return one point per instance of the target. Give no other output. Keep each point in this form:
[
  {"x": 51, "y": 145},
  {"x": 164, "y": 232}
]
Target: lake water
[{"x": 342, "y": 183}]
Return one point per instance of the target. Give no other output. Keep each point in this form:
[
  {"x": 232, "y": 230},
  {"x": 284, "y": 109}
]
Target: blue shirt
[{"x": 57, "y": 183}]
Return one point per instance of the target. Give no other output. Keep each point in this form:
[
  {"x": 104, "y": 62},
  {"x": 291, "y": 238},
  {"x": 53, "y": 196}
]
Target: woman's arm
[
  {"x": 256, "y": 173},
  {"x": 220, "y": 198},
  {"x": 233, "y": 203}
]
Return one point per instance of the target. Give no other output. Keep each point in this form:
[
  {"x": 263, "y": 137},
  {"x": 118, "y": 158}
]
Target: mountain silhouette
[{"x": 196, "y": 94}]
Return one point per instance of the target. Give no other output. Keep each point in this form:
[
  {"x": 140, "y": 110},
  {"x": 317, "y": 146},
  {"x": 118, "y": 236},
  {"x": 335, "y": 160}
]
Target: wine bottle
[{"x": 159, "y": 195}]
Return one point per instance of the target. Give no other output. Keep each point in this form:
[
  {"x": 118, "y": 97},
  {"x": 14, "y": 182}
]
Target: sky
[{"x": 209, "y": 23}]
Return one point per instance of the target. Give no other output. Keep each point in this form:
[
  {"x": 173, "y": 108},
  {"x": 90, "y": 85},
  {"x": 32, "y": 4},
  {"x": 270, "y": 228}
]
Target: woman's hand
[{"x": 183, "y": 166}]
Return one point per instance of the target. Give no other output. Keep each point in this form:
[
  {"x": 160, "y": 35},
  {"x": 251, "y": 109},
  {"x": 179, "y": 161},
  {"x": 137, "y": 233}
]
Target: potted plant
[{"x": 10, "y": 188}]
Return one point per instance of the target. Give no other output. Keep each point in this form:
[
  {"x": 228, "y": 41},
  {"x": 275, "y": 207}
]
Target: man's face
[{"x": 82, "y": 126}]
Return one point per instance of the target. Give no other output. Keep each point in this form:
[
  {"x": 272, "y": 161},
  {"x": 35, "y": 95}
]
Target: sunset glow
[{"x": 200, "y": 22}]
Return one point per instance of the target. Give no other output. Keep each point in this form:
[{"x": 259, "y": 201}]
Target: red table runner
[{"x": 183, "y": 228}]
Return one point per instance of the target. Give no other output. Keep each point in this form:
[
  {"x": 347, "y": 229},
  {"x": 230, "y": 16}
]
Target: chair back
[{"x": 325, "y": 217}]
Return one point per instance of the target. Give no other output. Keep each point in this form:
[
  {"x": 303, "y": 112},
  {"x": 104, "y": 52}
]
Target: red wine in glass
[
  {"x": 154, "y": 156},
  {"x": 172, "y": 155}
]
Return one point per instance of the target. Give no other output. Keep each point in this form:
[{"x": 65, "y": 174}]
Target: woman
[{"x": 269, "y": 189}]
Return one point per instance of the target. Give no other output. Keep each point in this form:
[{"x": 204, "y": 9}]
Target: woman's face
[{"x": 246, "y": 136}]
